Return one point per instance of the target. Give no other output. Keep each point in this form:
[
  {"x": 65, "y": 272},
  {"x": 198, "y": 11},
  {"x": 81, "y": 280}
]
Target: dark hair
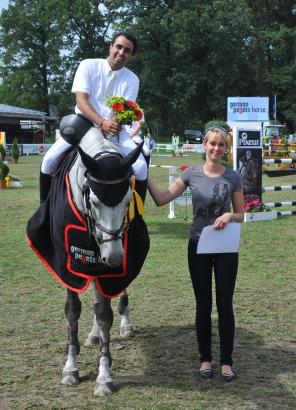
[{"x": 129, "y": 37}]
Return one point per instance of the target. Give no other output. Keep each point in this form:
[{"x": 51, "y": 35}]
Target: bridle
[{"x": 92, "y": 224}]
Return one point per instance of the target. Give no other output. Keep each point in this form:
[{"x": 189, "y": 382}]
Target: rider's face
[{"x": 120, "y": 52}]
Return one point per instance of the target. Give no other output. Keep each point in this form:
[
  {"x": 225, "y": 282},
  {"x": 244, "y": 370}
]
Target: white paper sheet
[{"x": 220, "y": 241}]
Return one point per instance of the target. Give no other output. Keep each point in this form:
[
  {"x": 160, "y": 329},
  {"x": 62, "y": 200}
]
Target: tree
[
  {"x": 273, "y": 50},
  {"x": 43, "y": 42},
  {"x": 191, "y": 58},
  {"x": 31, "y": 59}
]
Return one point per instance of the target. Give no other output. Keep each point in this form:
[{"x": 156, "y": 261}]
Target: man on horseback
[{"x": 95, "y": 80}]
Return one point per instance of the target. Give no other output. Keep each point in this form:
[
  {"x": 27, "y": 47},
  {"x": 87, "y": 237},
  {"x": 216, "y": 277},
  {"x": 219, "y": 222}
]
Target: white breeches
[
  {"x": 145, "y": 149},
  {"x": 52, "y": 154},
  {"x": 125, "y": 145}
]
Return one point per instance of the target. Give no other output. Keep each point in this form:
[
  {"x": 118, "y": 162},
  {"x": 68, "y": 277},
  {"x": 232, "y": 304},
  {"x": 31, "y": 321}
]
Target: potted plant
[
  {"x": 4, "y": 171},
  {"x": 15, "y": 151},
  {"x": 2, "y": 152}
]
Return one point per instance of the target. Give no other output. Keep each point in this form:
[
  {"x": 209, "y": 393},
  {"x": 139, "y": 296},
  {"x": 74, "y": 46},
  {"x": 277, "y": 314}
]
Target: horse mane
[{"x": 94, "y": 142}]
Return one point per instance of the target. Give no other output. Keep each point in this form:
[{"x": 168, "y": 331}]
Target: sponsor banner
[
  {"x": 39, "y": 149},
  {"x": 247, "y": 159},
  {"x": 192, "y": 148},
  {"x": 249, "y": 138},
  {"x": 247, "y": 109},
  {"x": 249, "y": 165},
  {"x": 28, "y": 149}
]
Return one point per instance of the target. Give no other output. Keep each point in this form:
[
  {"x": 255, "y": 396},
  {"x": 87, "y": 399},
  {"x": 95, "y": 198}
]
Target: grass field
[{"x": 158, "y": 368}]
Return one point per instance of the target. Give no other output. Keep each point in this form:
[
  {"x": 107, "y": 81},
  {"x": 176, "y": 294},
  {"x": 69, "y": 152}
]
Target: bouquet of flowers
[
  {"x": 254, "y": 204},
  {"x": 125, "y": 111}
]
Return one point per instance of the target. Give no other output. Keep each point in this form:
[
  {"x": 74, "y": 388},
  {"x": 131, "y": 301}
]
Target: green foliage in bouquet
[{"x": 125, "y": 111}]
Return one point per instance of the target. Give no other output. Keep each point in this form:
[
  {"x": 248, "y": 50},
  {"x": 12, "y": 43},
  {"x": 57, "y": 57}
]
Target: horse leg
[
  {"x": 104, "y": 316},
  {"x": 93, "y": 338},
  {"x": 70, "y": 375},
  {"x": 126, "y": 326}
]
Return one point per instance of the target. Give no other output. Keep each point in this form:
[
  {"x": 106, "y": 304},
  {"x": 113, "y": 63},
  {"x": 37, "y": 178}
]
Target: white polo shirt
[{"x": 96, "y": 78}]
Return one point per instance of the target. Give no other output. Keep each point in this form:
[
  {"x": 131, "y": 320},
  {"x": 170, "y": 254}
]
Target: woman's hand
[{"x": 222, "y": 221}]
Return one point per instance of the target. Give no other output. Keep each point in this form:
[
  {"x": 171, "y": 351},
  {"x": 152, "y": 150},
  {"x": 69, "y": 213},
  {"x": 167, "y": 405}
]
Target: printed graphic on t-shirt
[{"x": 217, "y": 204}]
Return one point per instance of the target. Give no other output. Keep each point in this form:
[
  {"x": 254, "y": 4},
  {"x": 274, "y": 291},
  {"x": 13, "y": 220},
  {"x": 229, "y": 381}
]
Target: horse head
[{"x": 106, "y": 194}]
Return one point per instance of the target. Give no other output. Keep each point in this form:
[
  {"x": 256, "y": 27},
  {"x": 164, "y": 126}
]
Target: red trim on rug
[
  {"x": 53, "y": 272},
  {"x": 84, "y": 228},
  {"x": 101, "y": 292},
  {"x": 70, "y": 200}
]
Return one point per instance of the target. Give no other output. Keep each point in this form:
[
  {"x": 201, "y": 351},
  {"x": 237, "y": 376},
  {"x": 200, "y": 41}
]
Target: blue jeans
[{"x": 225, "y": 270}]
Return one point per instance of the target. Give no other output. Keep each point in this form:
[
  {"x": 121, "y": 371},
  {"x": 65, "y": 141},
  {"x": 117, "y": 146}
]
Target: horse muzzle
[{"x": 112, "y": 252}]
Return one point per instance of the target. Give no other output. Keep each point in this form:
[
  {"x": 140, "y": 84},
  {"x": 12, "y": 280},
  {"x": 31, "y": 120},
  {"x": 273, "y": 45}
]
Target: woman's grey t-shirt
[{"x": 211, "y": 197}]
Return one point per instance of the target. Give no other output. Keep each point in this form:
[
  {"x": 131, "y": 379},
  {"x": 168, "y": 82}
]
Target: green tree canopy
[{"x": 192, "y": 56}]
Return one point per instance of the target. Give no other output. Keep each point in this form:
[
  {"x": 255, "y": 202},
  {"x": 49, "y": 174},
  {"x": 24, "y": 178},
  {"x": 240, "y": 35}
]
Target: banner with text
[
  {"x": 247, "y": 157},
  {"x": 247, "y": 109}
]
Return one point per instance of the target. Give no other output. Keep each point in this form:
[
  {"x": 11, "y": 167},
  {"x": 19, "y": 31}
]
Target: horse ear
[
  {"x": 90, "y": 164},
  {"x": 132, "y": 156}
]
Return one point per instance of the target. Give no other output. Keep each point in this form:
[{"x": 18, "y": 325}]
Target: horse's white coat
[
  {"x": 104, "y": 382},
  {"x": 112, "y": 251},
  {"x": 126, "y": 329},
  {"x": 70, "y": 371},
  {"x": 71, "y": 364}
]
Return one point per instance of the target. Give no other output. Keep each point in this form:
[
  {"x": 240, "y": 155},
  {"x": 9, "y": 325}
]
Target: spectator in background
[
  {"x": 150, "y": 141},
  {"x": 135, "y": 132}
]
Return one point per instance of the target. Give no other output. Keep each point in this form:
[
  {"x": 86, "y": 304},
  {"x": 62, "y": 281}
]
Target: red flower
[
  {"x": 138, "y": 114},
  {"x": 130, "y": 104},
  {"x": 117, "y": 107}
]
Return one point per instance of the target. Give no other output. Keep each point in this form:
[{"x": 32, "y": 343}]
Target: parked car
[{"x": 193, "y": 136}]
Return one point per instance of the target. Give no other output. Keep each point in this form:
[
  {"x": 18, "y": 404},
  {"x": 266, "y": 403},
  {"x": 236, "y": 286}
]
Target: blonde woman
[{"x": 217, "y": 199}]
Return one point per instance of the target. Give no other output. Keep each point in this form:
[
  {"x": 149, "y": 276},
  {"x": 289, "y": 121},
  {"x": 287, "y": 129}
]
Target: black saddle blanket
[{"x": 58, "y": 234}]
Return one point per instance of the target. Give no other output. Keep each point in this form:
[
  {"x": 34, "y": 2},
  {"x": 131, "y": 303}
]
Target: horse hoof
[
  {"x": 92, "y": 341},
  {"x": 103, "y": 390},
  {"x": 127, "y": 331},
  {"x": 70, "y": 378}
]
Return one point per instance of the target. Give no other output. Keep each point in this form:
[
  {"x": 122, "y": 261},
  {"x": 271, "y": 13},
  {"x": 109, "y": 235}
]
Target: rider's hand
[{"x": 111, "y": 126}]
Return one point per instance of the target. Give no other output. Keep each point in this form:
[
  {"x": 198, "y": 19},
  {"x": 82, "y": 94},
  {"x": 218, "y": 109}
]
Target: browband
[{"x": 101, "y": 181}]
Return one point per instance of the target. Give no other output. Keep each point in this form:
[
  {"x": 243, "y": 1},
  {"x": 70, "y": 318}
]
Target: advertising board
[{"x": 247, "y": 109}]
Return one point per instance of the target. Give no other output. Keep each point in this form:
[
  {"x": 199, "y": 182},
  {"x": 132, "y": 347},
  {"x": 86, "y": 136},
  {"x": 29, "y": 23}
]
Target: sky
[{"x": 3, "y": 4}]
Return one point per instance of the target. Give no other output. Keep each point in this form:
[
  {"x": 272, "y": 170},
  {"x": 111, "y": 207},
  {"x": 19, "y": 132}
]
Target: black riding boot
[
  {"x": 44, "y": 185},
  {"x": 141, "y": 188}
]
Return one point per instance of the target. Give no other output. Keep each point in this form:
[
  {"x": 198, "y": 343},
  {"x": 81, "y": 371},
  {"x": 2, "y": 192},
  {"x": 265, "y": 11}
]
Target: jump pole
[
  {"x": 278, "y": 188},
  {"x": 172, "y": 173},
  {"x": 279, "y": 161}
]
